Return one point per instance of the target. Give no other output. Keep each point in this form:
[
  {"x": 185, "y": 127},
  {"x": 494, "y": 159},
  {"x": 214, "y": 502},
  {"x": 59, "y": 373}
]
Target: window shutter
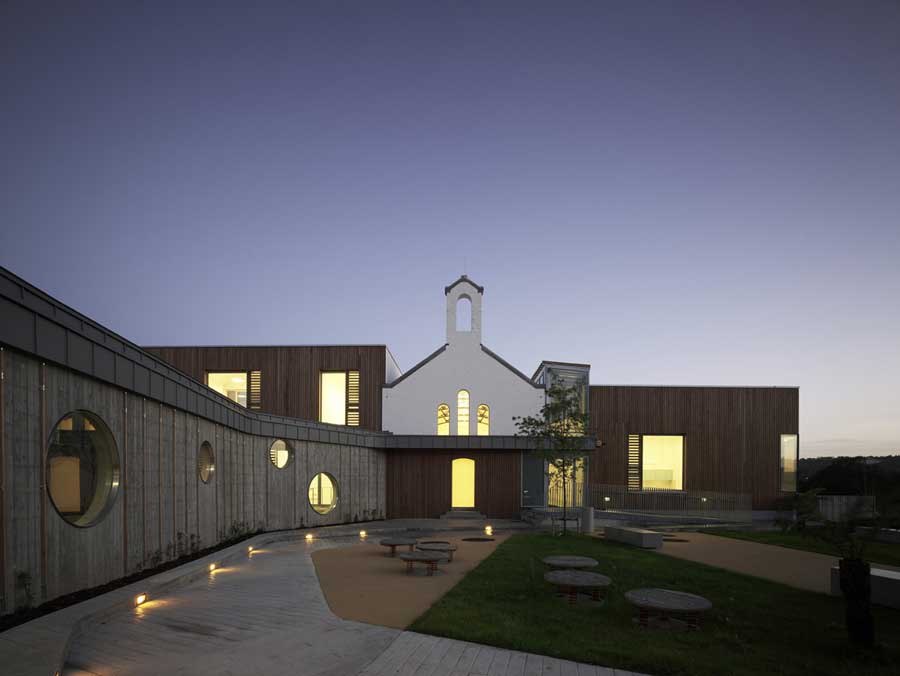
[
  {"x": 634, "y": 462},
  {"x": 254, "y": 400},
  {"x": 353, "y": 398}
]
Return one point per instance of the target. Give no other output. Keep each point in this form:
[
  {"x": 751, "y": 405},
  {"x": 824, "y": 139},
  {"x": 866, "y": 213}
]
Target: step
[{"x": 463, "y": 514}]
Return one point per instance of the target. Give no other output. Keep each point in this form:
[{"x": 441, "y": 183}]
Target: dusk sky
[{"x": 675, "y": 193}]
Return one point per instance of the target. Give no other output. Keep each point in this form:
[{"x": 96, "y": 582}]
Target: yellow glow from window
[
  {"x": 663, "y": 462},
  {"x": 279, "y": 454},
  {"x": 333, "y": 397},
  {"x": 789, "y": 462},
  {"x": 484, "y": 420},
  {"x": 322, "y": 493},
  {"x": 232, "y": 385},
  {"x": 462, "y": 413},
  {"x": 463, "y": 483},
  {"x": 574, "y": 489},
  {"x": 65, "y": 483},
  {"x": 443, "y": 420}
]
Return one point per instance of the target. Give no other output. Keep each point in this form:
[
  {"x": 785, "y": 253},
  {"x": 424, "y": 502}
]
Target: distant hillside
[{"x": 809, "y": 467}]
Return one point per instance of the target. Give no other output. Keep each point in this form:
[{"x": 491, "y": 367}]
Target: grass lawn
[
  {"x": 756, "y": 626},
  {"x": 876, "y": 552}
]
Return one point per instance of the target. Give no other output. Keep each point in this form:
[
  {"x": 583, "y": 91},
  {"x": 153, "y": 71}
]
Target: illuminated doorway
[{"x": 463, "y": 484}]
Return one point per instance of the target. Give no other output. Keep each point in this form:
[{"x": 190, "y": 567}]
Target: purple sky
[{"x": 678, "y": 193}]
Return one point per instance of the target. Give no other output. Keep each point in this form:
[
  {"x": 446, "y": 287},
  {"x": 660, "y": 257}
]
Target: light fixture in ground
[
  {"x": 362, "y": 534},
  {"x": 309, "y": 536},
  {"x": 139, "y": 599},
  {"x": 212, "y": 567},
  {"x": 250, "y": 549},
  {"x": 488, "y": 530},
  {"x": 606, "y": 498}
]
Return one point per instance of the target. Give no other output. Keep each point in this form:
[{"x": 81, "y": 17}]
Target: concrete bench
[
  {"x": 885, "y": 586},
  {"x": 639, "y": 537}
]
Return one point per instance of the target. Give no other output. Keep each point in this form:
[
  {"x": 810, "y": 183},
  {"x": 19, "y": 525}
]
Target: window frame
[
  {"x": 254, "y": 400},
  {"x": 642, "y": 489},
  {"x": 348, "y": 406},
  {"x": 781, "y": 489}
]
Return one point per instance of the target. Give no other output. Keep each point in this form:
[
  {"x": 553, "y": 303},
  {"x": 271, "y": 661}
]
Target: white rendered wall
[{"x": 410, "y": 407}]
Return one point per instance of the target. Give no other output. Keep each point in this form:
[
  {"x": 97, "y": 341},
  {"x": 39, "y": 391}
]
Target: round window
[
  {"x": 82, "y": 468},
  {"x": 206, "y": 463},
  {"x": 280, "y": 454},
  {"x": 323, "y": 493}
]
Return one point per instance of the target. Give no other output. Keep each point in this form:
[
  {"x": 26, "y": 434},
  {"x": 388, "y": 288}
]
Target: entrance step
[{"x": 463, "y": 514}]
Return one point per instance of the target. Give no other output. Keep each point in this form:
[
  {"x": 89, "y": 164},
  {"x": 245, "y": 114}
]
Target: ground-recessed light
[
  {"x": 362, "y": 533},
  {"x": 250, "y": 549},
  {"x": 139, "y": 599},
  {"x": 212, "y": 567},
  {"x": 308, "y": 537},
  {"x": 488, "y": 530}
]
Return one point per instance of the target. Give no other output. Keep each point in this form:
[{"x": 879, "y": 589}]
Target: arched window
[
  {"x": 462, "y": 413},
  {"x": 443, "y": 420},
  {"x": 464, "y": 314},
  {"x": 483, "y": 418}
]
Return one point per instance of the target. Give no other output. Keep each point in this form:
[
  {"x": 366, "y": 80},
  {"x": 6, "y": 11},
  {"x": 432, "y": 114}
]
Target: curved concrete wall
[{"x": 162, "y": 507}]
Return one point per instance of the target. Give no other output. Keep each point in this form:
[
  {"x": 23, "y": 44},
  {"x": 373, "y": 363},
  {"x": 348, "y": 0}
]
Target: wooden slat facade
[
  {"x": 731, "y": 434},
  {"x": 419, "y": 483},
  {"x": 290, "y": 374}
]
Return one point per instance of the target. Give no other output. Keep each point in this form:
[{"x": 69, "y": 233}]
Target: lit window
[
  {"x": 463, "y": 483},
  {"x": 280, "y": 454},
  {"x": 232, "y": 385},
  {"x": 574, "y": 490},
  {"x": 206, "y": 463},
  {"x": 339, "y": 397},
  {"x": 323, "y": 493},
  {"x": 462, "y": 413},
  {"x": 443, "y": 420},
  {"x": 82, "y": 468},
  {"x": 484, "y": 420},
  {"x": 662, "y": 462},
  {"x": 789, "y": 454}
]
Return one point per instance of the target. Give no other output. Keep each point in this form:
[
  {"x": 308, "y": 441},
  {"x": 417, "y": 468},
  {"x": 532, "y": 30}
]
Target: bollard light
[{"x": 139, "y": 599}]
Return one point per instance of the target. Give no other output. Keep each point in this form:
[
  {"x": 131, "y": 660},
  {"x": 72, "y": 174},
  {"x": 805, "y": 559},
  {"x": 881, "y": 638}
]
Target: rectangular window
[
  {"x": 231, "y": 384},
  {"x": 339, "y": 395},
  {"x": 789, "y": 459},
  {"x": 655, "y": 461}
]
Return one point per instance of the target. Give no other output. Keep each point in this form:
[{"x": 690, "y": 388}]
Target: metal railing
[{"x": 706, "y": 505}]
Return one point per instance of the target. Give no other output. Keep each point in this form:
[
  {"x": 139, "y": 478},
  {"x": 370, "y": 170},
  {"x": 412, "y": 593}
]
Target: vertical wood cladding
[
  {"x": 290, "y": 375},
  {"x": 731, "y": 434},
  {"x": 419, "y": 483}
]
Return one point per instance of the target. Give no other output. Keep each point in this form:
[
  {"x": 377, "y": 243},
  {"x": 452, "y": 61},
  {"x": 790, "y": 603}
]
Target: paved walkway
[
  {"x": 794, "y": 567},
  {"x": 267, "y": 615}
]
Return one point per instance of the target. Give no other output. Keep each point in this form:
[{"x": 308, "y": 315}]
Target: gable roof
[
  {"x": 417, "y": 366},
  {"x": 511, "y": 368},
  {"x": 462, "y": 279}
]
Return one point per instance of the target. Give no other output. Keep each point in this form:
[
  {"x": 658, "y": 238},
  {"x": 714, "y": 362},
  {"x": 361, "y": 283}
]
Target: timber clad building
[{"x": 114, "y": 458}]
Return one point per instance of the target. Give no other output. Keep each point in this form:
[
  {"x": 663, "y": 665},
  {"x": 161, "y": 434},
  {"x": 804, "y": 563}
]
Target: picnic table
[
  {"x": 571, "y": 582},
  {"x": 430, "y": 559},
  {"x": 570, "y": 562},
  {"x": 664, "y": 602},
  {"x": 441, "y": 547},
  {"x": 393, "y": 543}
]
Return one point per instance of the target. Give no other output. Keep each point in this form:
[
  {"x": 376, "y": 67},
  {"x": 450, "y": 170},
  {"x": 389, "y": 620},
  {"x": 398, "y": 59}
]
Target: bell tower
[{"x": 464, "y": 312}]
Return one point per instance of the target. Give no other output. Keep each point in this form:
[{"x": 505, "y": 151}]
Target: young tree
[{"x": 560, "y": 429}]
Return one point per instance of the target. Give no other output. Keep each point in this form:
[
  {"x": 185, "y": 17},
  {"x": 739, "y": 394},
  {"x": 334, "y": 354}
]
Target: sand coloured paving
[
  {"x": 793, "y": 567},
  {"x": 362, "y": 583}
]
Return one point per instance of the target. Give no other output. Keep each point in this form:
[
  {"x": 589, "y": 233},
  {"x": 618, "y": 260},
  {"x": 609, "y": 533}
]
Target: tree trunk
[
  {"x": 564, "y": 502},
  {"x": 856, "y": 586}
]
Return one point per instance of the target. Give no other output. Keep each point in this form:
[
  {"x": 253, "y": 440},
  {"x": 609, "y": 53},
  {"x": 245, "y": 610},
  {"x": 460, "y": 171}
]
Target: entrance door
[{"x": 463, "y": 494}]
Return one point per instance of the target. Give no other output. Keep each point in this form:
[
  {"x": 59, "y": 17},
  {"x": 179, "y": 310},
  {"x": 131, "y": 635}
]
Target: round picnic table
[
  {"x": 393, "y": 543},
  {"x": 431, "y": 559},
  {"x": 444, "y": 548},
  {"x": 570, "y": 582},
  {"x": 664, "y": 602},
  {"x": 570, "y": 562}
]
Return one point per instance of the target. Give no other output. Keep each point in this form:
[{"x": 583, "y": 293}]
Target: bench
[
  {"x": 885, "y": 586},
  {"x": 639, "y": 537}
]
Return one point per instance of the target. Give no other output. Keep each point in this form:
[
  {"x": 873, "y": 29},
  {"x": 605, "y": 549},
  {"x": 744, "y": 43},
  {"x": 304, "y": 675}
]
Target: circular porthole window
[
  {"x": 206, "y": 463},
  {"x": 323, "y": 493},
  {"x": 82, "y": 468},
  {"x": 280, "y": 454}
]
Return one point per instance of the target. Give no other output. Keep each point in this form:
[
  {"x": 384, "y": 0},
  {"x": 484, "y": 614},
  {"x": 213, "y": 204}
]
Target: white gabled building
[{"x": 462, "y": 388}]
